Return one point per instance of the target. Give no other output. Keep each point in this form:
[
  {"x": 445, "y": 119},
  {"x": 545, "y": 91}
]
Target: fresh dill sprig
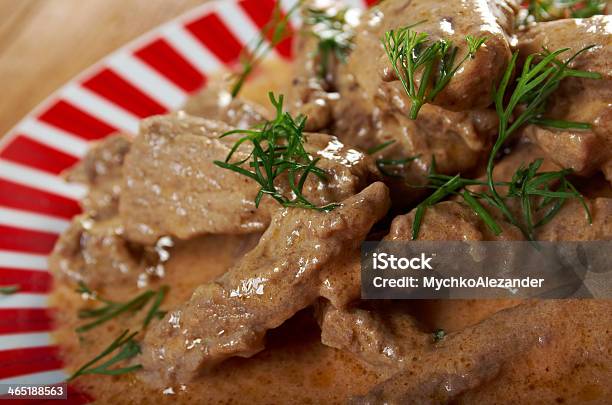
[
  {"x": 111, "y": 309},
  {"x": 272, "y": 34},
  {"x": 277, "y": 149},
  {"x": 553, "y": 187},
  {"x": 390, "y": 167},
  {"x": 411, "y": 52},
  {"x": 385, "y": 166},
  {"x": 539, "y": 194},
  {"x": 548, "y": 10},
  {"x": 9, "y": 289},
  {"x": 126, "y": 349},
  {"x": 333, "y": 33},
  {"x": 537, "y": 81},
  {"x": 375, "y": 149},
  {"x": 154, "y": 312}
]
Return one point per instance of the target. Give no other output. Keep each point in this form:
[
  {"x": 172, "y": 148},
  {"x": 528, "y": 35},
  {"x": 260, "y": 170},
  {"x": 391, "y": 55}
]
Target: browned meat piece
[
  {"x": 96, "y": 253},
  {"x": 471, "y": 87},
  {"x": 286, "y": 272},
  {"x": 458, "y": 141},
  {"x": 382, "y": 338},
  {"x": 473, "y": 357},
  {"x": 101, "y": 171},
  {"x": 216, "y": 103},
  {"x": 172, "y": 187},
  {"x": 450, "y": 220},
  {"x": 380, "y": 341},
  {"x": 582, "y": 100},
  {"x": 363, "y": 333},
  {"x": 571, "y": 223},
  {"x": 373, "y": 107}
]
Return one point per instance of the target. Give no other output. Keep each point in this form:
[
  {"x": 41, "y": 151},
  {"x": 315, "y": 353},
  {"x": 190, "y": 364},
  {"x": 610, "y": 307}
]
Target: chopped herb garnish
[
  {"x": 534, "y": 86},
  {"x": 126, "y": 349},
  {"x": 387, "y": 166},
  {"x": 392, "y": 167},
  {"x": 9, "y": 289},
  {"x": 112, "y": 309},
  {"x": 547, "y": 10},
  {"x": 334, "y": 35},
  {"x": 375, "y": 149},
  {"x": 272, "y": 34},
  {"x": 277, "y": 149},
  {"x": 538, "y": 193},
  {"x": 154, "y": 312},
  {"x": 411, "y": 52},
  {"x": 438, "y": 335}
]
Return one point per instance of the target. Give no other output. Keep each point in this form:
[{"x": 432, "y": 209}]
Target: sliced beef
[
  {"x": 172, "y": 187},
  {"x": 449, "y": 220},
  {"x": 466, "y": 360},
  {"x": 457, "y": 132},
  {"x": 577, "y": 99},
  {"x": 283, "y": 274},
  {"x": 457, "y": 141},
  {"x": 471, "y": 87},
  {"x": 95, "y": 252},
  {"x": 571, "y": 223},
  {"x": 370, "y": 334},
  {"x": 376, "y": 338},
  {"x": 384, "y": 339},
  {"x": 101, "y": 171}
]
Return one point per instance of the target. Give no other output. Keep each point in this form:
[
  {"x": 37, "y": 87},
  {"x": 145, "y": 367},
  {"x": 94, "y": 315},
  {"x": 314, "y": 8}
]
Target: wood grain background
[{"x": 44, "y": 43}]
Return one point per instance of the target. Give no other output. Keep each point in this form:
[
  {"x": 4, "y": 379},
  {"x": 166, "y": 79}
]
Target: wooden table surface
[{"x": 44, "y": 43}]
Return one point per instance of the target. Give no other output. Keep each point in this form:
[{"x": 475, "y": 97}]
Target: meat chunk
[
  {"x": 471, "y": 87},
  {"x": 96, "y": 253},
  {"x": 101, "y": 171},
  {"x": 473, "y": 357},
  {"x": 383, "y": 339},
  {"x": 571, "y": 223},
  {"x": 449, "y": 220},
  {"x": 172, "y": 186},
  {"x": 457, "y": 141},
  {"x": 577, "y": 99},
  {"x": 283, "y": 274},
  {"x": 363, "y": 333},
  {"x": 379, "y": 340}
]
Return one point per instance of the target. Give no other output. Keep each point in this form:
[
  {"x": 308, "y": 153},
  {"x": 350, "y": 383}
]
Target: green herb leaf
[
  {"x": 9, "y": 289},
  {"x": 154, "y": 311},
  {"x": 277, "y": 149},
  {"x": 333, "y": 33},
  {"x": 541, "y": 75},
  {"x": 411, "y": 52},
  {"x": 380, "y": 147},
  {"x": 548, "y": 10},
  {"x": 126, "y": 349},
  {"x": 112, "y": 309},
  {"x": 389, "y": 167},
  {"x": 273, "y": 33},
  {"x": 438, "y": 335}
]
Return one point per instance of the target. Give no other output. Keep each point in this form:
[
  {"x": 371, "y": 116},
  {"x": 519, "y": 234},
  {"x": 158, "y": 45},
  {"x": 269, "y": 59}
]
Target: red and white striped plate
[{"x": 151, "y": 75}]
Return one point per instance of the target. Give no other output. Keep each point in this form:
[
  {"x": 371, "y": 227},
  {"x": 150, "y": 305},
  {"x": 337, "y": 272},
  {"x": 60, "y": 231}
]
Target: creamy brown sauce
[{"x": 295, "y": 367}]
